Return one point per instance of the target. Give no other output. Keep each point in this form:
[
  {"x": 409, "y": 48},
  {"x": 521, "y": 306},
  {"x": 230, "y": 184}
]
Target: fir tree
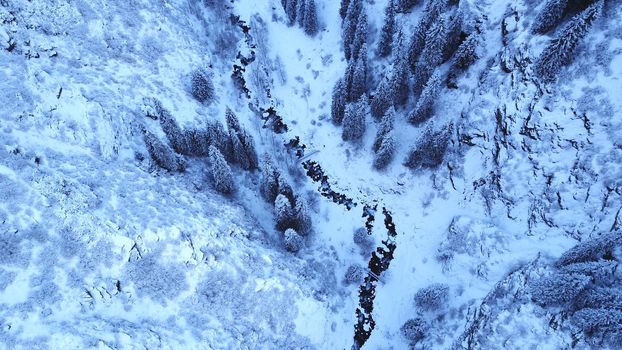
[
  {"x": 386, "y": 126},
  {"x": 559, "y": 52},
  {"x": 338, "y": 105},
  {"x": 406, "y": 5},
  {"x": 248, "y": 147},
  {"x": 233, "y": 123},
  {"x": 416, "y": 45},
  {"x": 558, "y": 288},
  {"x": 301, "y": 12},
  {"x": 350, "y": 25},
  {"x": 239, "y": 154},
  {"x": 302, "y": 216},
  {"x": 388, "y": 29},
  {"x": 292, "y": 240},
  {"x": 430, "y": 149},
  {"x": 466, "y": 53},
  {"x": 310, "y": 21},
  {"x": 173, "y": 132},
  {"x": 162, "y": 154},
  {"x": 359, "y": 78},
  {"x": 290, "y": 10},
  {"x": 399, "y": 81},
  {"x": 269, "y": 183},
  {"x": 432, "y": 55},
  {"x": 218, "y": 138},
  {"x": 550, "y": 16},
  {"x": 360, "y": 36},
  {"x": 425, "y": 105},
  {"x": 198, "y": 142},
  {"x": 383, "y": 98},
  {"x": 201, "y": 86},
  {"x": 283, "y": 213},
  {"x": 354, "y": 121},
  {"x": 343, "y": 8},
  {"x": 220, "y": 171},
  {"x": 454, "y": 36},
  {"x": 385, "y": 153}
]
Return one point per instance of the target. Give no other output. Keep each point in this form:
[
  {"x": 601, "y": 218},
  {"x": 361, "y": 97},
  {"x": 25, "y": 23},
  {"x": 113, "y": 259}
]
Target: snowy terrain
[{"x": 102, "y": 248}]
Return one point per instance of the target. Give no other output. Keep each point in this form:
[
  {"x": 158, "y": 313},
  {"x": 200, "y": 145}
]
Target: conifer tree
[
  {"x": 283, "y": 213},
  {"x": 386, "y": 126},
  {"x": 432, "y": 55},
  {"x": 302, "y": 216},
  {"x": 343, "y": 8},
  {"x": 218, "y": 138},
  {"x": 385, "y": 153},
  {"x": 290, "y": 10},
  {"x": 233, "y": 123},
  {"x": 383, "y": 98},
  {"x": 300, "y": 12},
  {"x": 360, "y": 36},
  {"x": 416, "y": 45},
  {"x": 310, "y": 21},
  {"x": 550, "y": 16},
  {"x": 239, "y": 154},
  {"x": 220, "y": 171},
  {"x": 359, "y": 78},
  {"x": 560, "y": 50},
  {"x": 269, "y": 183},
  {"x": 248, "y": 147},
  {"x": 406, "y": 5},
  {"x": 429, "y": 150},
  {"x": 292, "y": 240},
  {"x": 399, "y": 81},
  {"x": 162, "y": 154},
  {"x": 350, "y": 25},
  {"x": 424, "y": 108},
  {"x": 202, "y": 87},
  {"x": 466, "y": 53},
  {"x": 388, "y": 29},
  {"x": 354, "y": 121},
  {"x": 338, "y": 105},
  {"x": 174, "y": 134}
]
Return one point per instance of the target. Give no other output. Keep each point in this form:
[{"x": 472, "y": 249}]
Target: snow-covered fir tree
[
  {"x": 429, "y": 150},
  {"x": 382, "y": 97},
  {"x": 201, "y": 86},
  {"x": 358, "y": 87},
  {"x": 292, "y": 240},
  {"x": 269, "y": 182},
  {"x": 432, "y": 54},
  {"x": 386, "y": 151},
  {"x": 343, "y": 8},
  {"x": 399, "y": 81},
  {"x": 560, "y": 50},
  {"x": 239, "y": 153},
  {"x": 354, "y": 121},
  {"x": 283, "y": 213},
  {"x": 162, "y": 154},
  {"x": 550, "y": 16},
  {"x": 350, "y": 25},
  {"x": 310, "y": 23},
  {"x": 386, "y": 126},
  {"x": 339, "y": 100},
  {"x": 385, "y": 43},
  {"x": 220, "y": 172},
  {"x": 302, "y": 216},
  {"x": 407, "y": 5},
  {"x": 466, "y": 54},
  {"x": 360, "y": 35},
  {"x": 425, "y": 105}
]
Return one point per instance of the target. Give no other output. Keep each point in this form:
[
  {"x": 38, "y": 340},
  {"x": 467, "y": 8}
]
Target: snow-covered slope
[{"x": 100, "y": 248}]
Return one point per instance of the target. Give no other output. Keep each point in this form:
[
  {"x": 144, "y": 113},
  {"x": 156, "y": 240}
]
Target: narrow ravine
[{"x": 381, "y": 258}]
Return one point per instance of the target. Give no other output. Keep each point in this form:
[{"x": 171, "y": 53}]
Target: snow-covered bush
[
  {"x": 159, "y": 281},
  {"x": 162, "y": 154},
  {"x": 600, "y": 298},
  {"x": 558, "y": 288},
  {"x": 363, "y": 239},
  {"x": 602, "y": 326},
  {"x": 414, "y": 330},
  {"x": 202, "y": 87},
  {"x": 354, "y": 274},
  {"x": 293, "y": 241},
  {"x": 220, "y": 172},
  {"x": 430, "y": 149},
  {"x": 432, "y": 297}
]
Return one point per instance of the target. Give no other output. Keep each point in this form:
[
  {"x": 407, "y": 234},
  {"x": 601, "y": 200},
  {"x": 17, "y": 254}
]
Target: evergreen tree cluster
[
  {"x": 550, "y": 16},
  {"x": 162, "y": 154},
  {"x": 291, "y": 213},
  {"x": 355, "y": 120},
  {"x": 585, "y": 285},
  {"x": 430, "y": 149},
  {"x": 242, "y": 144},
  {"x": 560, "y": 50},
  {"x": 303, "y": 13}
]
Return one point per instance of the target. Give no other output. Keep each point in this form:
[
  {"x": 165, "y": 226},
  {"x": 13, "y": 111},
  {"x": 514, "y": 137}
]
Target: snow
[{"x": 111, "y": 252}]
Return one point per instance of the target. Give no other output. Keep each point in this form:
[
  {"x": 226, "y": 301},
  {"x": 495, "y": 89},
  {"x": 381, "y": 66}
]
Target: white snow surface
[{"x": 101, "y": 249}]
